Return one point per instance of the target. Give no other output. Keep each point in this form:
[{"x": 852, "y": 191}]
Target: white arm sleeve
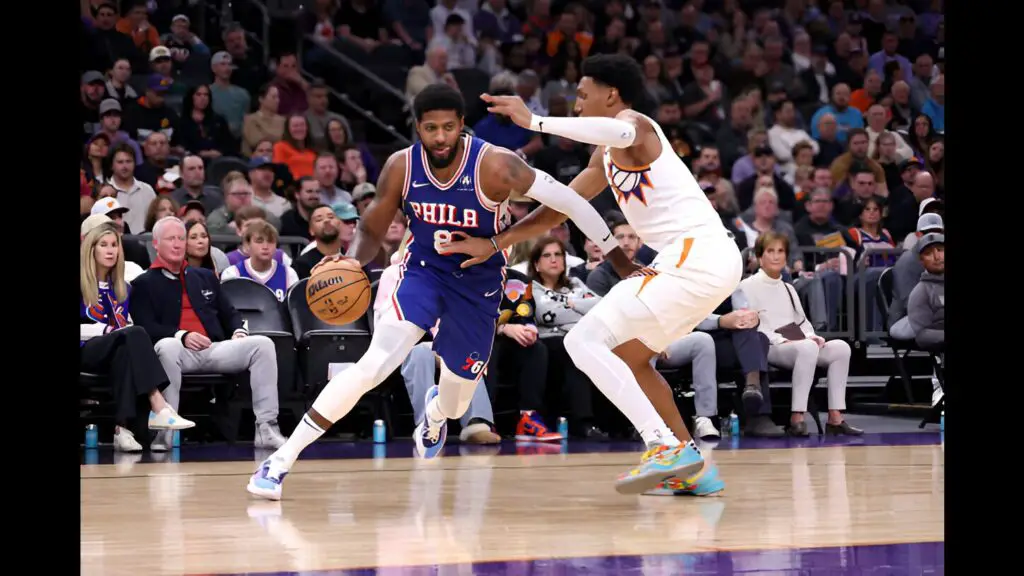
[
  {"x": 558, "y": 196},
  {"x": 599, "y": 131}
]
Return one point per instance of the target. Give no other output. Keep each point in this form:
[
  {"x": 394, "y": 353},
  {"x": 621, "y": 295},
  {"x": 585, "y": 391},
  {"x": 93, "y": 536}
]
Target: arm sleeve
[
  {"x": 558, "y": 196},
  {"x": 593, "y": 130}
]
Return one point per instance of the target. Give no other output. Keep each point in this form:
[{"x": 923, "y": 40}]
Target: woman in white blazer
[{"x": 793, "y": 343}]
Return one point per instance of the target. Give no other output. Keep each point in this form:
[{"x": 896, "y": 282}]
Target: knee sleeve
[
  {"x": 454, "y": 393},
  {"x": 590, "y": 331},
  {"x": 391, "y": 343}
]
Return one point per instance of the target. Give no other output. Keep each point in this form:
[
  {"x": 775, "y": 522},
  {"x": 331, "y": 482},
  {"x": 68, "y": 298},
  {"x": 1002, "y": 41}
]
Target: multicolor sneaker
[
  {"x": 531, "y": 427},
  {"x": 267, "y": 481},
  {"x": 705, "y": 483},
  {"x": 429, "y": 436},
  {"x": 659, "y": 464},
  {"x": 168, "y": 419}
]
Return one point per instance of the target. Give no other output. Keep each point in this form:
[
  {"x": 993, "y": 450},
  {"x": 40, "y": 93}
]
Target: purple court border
[
  {"x": 403, "y": 448},
  {"x": 912, "y": 558}
]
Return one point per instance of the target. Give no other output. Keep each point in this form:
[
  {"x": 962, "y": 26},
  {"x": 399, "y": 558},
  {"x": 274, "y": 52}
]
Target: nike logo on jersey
[
  {"x": 492, "y": 293},
  {"x": 420, "y": 184}
]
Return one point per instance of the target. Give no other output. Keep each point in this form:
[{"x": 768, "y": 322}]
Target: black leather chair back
[
  {"x": 883, "y": 294},
  {"x": 257, "y": 304},
  {"x": 219, "y": 168}
]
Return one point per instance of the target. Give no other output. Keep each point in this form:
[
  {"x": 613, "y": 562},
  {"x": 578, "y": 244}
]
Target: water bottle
[
  {"x": 563, "y": 427},
  {"x": 379, "y": 433},
  {"x": 942, "y": 421},
  {"x": 734, "y": 425},
  {"x": 724, "y": 426},
  {"x": 92, "y": 436},
  {"x": 176, "y": 439}
]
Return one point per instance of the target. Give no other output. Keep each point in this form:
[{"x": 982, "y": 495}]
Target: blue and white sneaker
[
  {"x": 268, "y": 479},
  {"x": 429, "y": 436},
  {"x": 659, "y": 464},
  {"x": 168, "y": 419}
]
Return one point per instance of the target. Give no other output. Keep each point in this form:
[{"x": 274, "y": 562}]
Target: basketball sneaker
[
  {"x": 268, "y": 479},
  {"x": 531, "y": 427},
  {"x": 705, "y": 483},
  {"x": 429, "y": 436},
  {"x": 658, "y": 464}
]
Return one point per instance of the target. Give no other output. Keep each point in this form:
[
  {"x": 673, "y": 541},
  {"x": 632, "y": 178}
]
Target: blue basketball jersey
[
  {"x": 278, "y": 282},
  {"x": 436, "y": 209},
  {"x": 431, "y": 286}
]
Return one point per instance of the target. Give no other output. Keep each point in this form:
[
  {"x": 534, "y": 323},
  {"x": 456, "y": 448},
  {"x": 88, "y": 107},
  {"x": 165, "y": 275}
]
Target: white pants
[
  {"x": 695, "y": 275},
  {"x": 802, "y": 357}
]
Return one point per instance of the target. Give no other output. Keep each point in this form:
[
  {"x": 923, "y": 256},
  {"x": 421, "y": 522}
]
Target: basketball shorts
[
  {"x": 693, "y": 277},
  {"x": 466, "y": 303}
]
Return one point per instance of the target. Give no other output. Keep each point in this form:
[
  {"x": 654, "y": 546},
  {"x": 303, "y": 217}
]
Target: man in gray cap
[
  {"x": 906, "y": 273},
  {"x": 93, "y": 89},
  {"x": 927, "y": 306},
  {"x": 230, "y": 101}
]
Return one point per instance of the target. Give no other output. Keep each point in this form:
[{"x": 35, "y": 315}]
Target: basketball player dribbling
[
  {"x": 698, "y": 264},
  {"x": 449, "y": 184}
]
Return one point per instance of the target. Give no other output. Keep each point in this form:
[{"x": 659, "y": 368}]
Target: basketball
[{"x": 338, "y": 293}]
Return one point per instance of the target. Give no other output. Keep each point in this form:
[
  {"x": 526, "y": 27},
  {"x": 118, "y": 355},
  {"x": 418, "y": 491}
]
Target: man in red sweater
[{"x": 197, "y": 330}]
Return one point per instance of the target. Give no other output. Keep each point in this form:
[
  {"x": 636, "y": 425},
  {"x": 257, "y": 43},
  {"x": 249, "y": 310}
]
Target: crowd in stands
[{"x": 815, "y": 127}]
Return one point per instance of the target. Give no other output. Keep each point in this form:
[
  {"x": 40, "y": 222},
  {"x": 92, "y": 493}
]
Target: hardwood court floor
[{"x": 197, "y": 518}]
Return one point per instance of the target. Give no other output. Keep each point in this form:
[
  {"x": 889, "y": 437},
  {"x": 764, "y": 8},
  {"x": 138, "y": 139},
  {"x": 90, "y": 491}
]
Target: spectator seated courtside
[
  {"x": 112, "y": 345},
  {"x": 197, "y": 330},
  {"x": 560, "y": 303},
  {"x": 260, "y": 242},
  {"x": 926, "y": 308},
  {"x": 793, "y": 343}
]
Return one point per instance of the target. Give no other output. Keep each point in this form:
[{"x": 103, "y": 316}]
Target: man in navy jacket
[{"x": 196, "y": 329}]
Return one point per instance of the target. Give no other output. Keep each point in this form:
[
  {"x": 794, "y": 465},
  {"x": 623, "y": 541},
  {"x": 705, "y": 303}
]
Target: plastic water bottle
[
  {"x": 942, "y": 421},
  {"x": 176, "y": 439},
  {"x": 734, "y": 425},
  {"x": 563, "y": 427},
  {"x": 92, "y": 436},
  {"x": 380, "y": 435},
  {"x": 723, "y": 426}
]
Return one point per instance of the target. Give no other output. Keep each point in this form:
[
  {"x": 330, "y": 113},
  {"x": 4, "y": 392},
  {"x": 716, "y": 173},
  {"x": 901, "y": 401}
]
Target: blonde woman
[
  {"x": 110, "y": 344},
  {"x": 792, "y": 341}
]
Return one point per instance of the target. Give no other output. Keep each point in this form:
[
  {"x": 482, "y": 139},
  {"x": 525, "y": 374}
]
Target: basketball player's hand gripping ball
[
  {"x": 332, "y": 258},
  {"x": 511, "y": 106}
]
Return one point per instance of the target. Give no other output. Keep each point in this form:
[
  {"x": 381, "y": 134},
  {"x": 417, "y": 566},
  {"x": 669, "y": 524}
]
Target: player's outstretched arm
[
  {"x": 374, "y": 222},
  {"x": 504, "y": 170},
  {"x": 588, "y": 184},
  {"x": 624, "y": 131}
]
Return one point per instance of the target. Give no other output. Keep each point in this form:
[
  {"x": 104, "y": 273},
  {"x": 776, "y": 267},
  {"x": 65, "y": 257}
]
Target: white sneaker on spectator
[
  {"x": 704, "y": 428},
  {"x": 168, "y": 419},
  {"x": 268, "y": 436},
  {"x": 124, "y": 441}
]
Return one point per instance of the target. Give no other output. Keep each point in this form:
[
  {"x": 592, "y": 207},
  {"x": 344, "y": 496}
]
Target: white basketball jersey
[{"x": 662, "y": 201}]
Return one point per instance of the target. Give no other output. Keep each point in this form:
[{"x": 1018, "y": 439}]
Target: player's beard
[{"x": 443, "y": 161}]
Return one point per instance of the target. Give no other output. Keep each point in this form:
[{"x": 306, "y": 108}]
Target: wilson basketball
[{"x": 338, "y": 293}]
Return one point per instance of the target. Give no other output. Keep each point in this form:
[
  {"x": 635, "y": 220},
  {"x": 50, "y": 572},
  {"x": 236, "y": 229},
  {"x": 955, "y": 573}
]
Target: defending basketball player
[
  {"x": 697, "y": 267},
  {"x": 449, "y": 184}
]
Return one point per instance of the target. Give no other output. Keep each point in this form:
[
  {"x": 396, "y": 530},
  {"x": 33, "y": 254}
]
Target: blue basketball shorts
[{"x": 466, "y": 303}]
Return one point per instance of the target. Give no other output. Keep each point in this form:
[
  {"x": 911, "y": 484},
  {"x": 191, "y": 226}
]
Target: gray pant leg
[
  {"x": 698, "y": 348},
  {"x": 170, "y": 352},
  {"x": 901, "y": 329},
  {"x": 814, "y": 290},
  {"x": 254, "y": 354},
  {"x": 418, "y": 370},
  {"x": 479, "y": 406}
]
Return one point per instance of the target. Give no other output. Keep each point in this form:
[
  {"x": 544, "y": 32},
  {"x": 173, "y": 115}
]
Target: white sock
[
  {"x": 433, "y": 411},
  {"x": 590, "y": 346},
  {"x": 305, "y": 434}
]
